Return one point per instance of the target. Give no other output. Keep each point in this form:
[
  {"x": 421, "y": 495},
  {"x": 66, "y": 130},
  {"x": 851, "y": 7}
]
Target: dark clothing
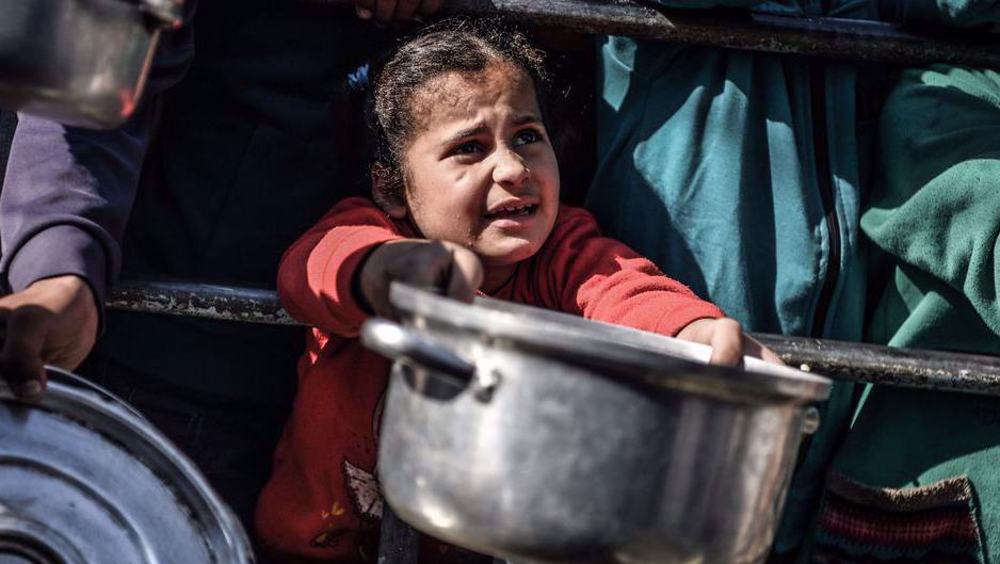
[
  {"x": 67, "y": 191},
  {"x": 244, "y": 160},
  {"x": 935, "y": 220},
  {"x": 220, "y": 171},
  {"x": 744, "y": 174},
  {"x": 231, "y": 444}
]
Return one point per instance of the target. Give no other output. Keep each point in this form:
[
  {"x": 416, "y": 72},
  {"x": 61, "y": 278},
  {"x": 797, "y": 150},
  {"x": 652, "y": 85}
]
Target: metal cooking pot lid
[
  {"x": 629, "y": 353},
  {"x": 84, "y": 479}
]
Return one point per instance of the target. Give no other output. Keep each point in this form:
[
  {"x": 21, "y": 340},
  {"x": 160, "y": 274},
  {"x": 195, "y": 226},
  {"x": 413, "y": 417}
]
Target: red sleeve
[
  {"x": 584, "y": 273},
  {"x": 316, "y": 272}
]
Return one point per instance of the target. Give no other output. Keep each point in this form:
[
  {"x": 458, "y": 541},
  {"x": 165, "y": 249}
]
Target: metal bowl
[
  {"x": 542, "y": 437},
  {"x": 84, "y": 479},
  {"x": 79, "y": 62}
]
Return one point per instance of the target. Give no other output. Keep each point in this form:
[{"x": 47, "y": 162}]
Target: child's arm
[
  {"x": 340, "y": 271},
  {"x": 315, "y": 279},
  {"x": 603, "y": 279}
]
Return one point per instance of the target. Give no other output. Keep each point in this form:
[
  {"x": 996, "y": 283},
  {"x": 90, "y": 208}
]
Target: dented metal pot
[
  {"x": 79, "y": 62},
  {"x": 84, "y": 479},
  {"x": 543, "y": 437}
]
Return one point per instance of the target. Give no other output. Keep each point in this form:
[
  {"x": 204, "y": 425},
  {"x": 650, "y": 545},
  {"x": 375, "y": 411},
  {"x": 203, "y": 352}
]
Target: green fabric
[
  {"x": 707, "y": 166},
  {"x": 936, "y": 217}
]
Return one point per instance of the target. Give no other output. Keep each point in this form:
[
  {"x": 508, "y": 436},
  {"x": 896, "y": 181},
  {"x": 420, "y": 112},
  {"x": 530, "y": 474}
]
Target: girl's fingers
[
  {"x": 770, "y": 356},
  {"x": 727, "y": 342},
  {"x": 416, "y": 262},
  {"x": 427, "y": 265},
  {"x": 466, "y": 274},
  {"x": 459, "y": 287},
  {"x": 753, "y": 348}
]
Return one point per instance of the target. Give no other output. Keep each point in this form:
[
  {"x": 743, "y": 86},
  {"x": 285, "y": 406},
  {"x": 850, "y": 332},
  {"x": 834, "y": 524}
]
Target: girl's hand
[
  {"x": 388, "y": 12},
  {"x": 430, "y": 264},
  {"x": 728, "y": 341}
]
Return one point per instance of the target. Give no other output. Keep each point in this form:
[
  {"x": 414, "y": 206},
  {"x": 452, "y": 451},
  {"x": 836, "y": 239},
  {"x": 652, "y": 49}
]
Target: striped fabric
[{"x": 933, "y": 524}]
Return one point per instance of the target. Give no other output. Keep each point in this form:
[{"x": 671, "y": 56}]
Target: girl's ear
[
  {"x": 390, "y": 200},
  {"x": 396, "y": 212}
]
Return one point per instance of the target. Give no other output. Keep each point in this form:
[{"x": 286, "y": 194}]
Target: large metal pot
[
  {"x": 84, "y": 479},
  {"x": 543, "y": 437},
  {"x": 80, "y": 62}
]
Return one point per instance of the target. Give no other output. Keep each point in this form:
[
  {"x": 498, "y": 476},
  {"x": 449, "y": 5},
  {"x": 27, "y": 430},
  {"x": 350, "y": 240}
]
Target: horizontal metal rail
[
  {"x": 836, "y": 38},
  {"x": 929, "y": 370},
  {"x": 209, "y": 301}
]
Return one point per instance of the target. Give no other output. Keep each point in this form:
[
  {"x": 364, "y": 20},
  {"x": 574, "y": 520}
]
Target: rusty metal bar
[
  {"x": 857, "y": 362},
  {"x": 854, "y": 40},
  {"x": 876, "y": 364},
  {"x": 224, "y": 303}
]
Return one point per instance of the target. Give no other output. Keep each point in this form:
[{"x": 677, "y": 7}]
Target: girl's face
[{"x": 480, "y": 170}]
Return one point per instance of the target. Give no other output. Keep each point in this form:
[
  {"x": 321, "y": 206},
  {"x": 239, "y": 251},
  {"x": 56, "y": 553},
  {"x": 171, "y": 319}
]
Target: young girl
[{"x": 467, "y": 187}]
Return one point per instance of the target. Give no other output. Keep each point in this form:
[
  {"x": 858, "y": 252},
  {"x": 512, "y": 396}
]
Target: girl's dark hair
[{"x": 453, "y": 45}]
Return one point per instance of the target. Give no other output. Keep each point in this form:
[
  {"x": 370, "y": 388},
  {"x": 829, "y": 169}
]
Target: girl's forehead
[{"x": 455, "y": 95}]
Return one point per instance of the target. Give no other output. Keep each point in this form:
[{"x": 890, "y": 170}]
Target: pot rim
[
  {"x": 621, "y": 352},
  {"x": 88, "y": 404}
]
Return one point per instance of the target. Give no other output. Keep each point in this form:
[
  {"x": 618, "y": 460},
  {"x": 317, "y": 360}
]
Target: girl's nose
[{"x": 510, "y": 169}]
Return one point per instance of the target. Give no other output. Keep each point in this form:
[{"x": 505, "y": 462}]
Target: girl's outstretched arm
[
  {"x": 582, "y": 272},
  {"x": 316, "y": 275}
]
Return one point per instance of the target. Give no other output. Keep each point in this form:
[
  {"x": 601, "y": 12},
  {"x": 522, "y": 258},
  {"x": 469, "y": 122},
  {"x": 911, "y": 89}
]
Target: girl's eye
[
  {"x": 527, "y": 136},
  {"x": 468, "y": 148}
]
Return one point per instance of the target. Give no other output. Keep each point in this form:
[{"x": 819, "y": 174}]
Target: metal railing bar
[
  {"x": 209, "y": 301},
  {"x": 855, "y": 40},
  {"x": 876, "y": 364},
  {"x": 857, "y": 362}
]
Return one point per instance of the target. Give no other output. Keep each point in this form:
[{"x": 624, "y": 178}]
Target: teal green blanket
[
  {"x": 936, "y": 221},
  {"x": 742, "y": 174}
]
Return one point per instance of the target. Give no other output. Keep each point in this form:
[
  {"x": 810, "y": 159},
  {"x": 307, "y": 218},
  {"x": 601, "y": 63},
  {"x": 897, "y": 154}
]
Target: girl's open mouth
[{"x": 510, "y": 213}]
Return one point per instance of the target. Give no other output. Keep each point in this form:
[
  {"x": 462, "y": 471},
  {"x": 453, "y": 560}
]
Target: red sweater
[{"x": 322, "y": 501}]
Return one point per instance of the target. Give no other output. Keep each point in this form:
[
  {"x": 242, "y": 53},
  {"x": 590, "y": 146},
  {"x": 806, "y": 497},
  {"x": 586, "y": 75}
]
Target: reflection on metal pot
[{"x": 79, "y": 62}]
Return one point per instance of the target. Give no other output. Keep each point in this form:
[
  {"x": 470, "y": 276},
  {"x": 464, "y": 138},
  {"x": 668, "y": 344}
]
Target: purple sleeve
[{"x": 68, "y": 191}]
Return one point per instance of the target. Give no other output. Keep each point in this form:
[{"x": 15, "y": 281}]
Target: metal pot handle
[{"x": 398, "y": 343}]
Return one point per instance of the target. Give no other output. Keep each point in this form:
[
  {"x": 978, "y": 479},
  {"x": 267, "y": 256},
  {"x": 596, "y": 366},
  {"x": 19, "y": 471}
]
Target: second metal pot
[
  {"x": 79, "y": 62},
  {"x": 85, "y": 479},
  {"x": 542, "y": 437}
]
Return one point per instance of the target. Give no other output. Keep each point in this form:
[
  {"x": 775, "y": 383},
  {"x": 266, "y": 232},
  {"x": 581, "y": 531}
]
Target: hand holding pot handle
[{"x": 450, "y": 267}]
